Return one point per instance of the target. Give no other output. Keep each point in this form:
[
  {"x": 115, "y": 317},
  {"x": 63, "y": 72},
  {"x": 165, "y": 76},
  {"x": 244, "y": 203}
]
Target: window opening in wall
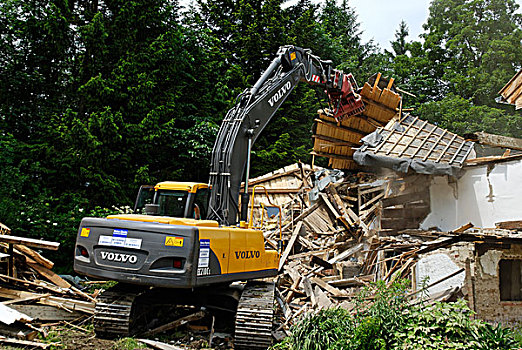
[{"x": 510, "y": 279}]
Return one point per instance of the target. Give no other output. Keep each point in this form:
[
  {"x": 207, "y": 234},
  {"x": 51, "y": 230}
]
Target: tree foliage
[{"x": 98, "y": 97}]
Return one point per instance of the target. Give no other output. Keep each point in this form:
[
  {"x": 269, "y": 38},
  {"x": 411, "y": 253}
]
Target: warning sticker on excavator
[
  {"x": 171, "y": 241},
  {"x": 85, "y": 232}
]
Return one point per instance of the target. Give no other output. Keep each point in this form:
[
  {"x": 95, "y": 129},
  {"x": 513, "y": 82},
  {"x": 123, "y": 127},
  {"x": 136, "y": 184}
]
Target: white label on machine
[
  {"x": 118, "y": 242},
  {"x": 204, "y": 253},
  {"x": 105, "y": 240},
  {"x": 134, "y": 243}
]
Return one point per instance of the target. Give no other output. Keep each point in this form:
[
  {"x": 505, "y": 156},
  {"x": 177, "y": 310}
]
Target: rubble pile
[
  {"x": 32, "y": 295},
  {"x": 356, "y": 230}
]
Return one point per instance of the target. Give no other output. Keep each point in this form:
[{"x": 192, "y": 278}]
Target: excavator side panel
[{"x": 240, "y": 254}]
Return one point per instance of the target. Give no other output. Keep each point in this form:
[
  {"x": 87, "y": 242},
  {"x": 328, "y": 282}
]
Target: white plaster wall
[
  {"x": 481, "y": 196},
  {"x": 433, "y": 268}
]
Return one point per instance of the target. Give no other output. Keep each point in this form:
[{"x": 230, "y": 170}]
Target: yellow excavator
[{"x": 191, "y": 240}]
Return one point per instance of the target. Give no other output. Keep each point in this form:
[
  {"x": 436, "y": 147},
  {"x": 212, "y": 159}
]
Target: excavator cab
[{"x": 173, "y": 199}]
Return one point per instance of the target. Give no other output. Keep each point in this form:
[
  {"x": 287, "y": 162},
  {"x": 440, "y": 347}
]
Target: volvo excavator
[{"x": 192, "y": 244}]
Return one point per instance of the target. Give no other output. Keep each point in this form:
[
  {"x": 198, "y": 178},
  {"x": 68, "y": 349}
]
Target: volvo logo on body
[
  {"x": 119, "y": 257},
  {"x": 278, "y": 95},
  {"x": 247, "y": 254}
]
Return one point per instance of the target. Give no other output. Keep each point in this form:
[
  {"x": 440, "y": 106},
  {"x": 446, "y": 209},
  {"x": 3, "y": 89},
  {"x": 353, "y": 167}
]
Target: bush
[{"x": 384, "y": 320}]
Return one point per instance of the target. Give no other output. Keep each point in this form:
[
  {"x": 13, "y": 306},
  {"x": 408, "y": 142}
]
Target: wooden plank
[
  {"x": 405, "y": 198},
  {"x": 342, "y": 127},
  {"x": 331, "y": 155},
  {"x": 35, "y": 256},
  {"x": 337, "y": 142},
  {"x": 302, "y": 215},
  {"x": 496, "y": 140},
  {"x": 29, "y": 283},
  {"x": 315, "y": 260},
  {"x": 67, "y": 304},
  {"x": 354, "y": 281},
  {"x": 30, "y": 242},
  {"x": 18, "y": 331},
  {"x": 51, "y": 276},
  {"x": 329, "y": 205},
  {"x": 371, "y": 201},
  {"x": 29, "y": 298},
  {"x": 9, "y": 315},
  {"x": 294, "y": 286},
  {"x": 463, "y": 228},
  {"x": 509, "y": 225},
  {"x": 26, "y": 343},
  {"x": 47, "y": 312},
  {"x": 174, "y": 324},
  {"x": 347, "y": 253},
  {"x": 259, "y": 180},
  {"x": 290, "y": 244},
  {"x": 331, "y": 289}
]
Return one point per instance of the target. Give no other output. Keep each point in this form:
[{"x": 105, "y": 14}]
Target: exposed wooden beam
[
  {"x": 337, "y": 142},
  {"x": 342, "y": 127},
  {"x": 496, "y": 140},
  {"x": 30, "y": 242}
]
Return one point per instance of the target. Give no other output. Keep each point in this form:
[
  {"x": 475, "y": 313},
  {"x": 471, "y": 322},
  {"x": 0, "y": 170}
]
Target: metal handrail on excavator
[{"x": 251, "y": 220}]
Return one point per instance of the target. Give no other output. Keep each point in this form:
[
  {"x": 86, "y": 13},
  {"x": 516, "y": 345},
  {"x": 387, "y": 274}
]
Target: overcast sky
[{"x": 379, "y": 19}]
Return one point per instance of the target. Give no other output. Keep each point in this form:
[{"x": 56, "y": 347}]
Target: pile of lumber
[
  {"x": 32, "y": 295},
  {"x": 357, "y": 231}
]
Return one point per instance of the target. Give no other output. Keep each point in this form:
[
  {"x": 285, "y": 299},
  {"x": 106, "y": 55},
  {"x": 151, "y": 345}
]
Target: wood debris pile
[
  {"x": 33, "y": 296},
  {"x": 360, "y": 229}
]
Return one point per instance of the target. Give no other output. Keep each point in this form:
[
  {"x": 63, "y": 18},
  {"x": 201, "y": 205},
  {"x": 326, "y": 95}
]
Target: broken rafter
[{"x": 496, "y": 140}]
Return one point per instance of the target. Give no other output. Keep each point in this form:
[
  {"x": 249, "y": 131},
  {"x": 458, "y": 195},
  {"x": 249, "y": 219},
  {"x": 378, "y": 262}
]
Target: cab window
[
  {"x": 172, "y": 203},
  {"x": 201, "y": 201},
  {"x": 145, "y": 196}
]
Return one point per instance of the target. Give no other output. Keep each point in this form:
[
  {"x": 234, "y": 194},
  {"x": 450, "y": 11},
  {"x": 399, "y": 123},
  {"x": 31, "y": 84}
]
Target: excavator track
[
  {"x": 114, "y": 315},
  {"x": 255, "y": 313}
]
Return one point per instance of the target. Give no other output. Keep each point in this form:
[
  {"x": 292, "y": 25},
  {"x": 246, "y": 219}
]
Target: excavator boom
[{"x": 254, "y": 109}]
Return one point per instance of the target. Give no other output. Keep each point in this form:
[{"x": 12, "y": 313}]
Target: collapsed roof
[
  {"x": 390, "y": 138},
  {"x": 411, "y": 143}
]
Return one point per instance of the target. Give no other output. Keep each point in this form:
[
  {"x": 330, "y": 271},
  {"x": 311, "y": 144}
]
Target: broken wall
[
  {"x": 443, "y": 262},
  {"x": 497, "y": 283},
  {"x": 484, "y": 195}
]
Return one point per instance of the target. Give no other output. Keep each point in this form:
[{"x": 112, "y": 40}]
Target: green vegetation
[
  {"x": 97, "y": 98},
  {"x": 388, "y": 322}
]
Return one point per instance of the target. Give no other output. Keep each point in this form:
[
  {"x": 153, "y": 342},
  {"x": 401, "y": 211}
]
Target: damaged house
[{"x": 418, "y": 203}]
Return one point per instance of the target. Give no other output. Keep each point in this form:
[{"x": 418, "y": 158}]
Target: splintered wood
[
  {"x": 356, "y": 230},
  {"x": 32, "y": 293}
]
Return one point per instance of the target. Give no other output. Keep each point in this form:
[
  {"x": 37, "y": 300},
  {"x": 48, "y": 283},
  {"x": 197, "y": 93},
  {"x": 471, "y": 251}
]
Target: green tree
[
  {"x": 475, "y": 44},
  {"x": 400, "y": 45},
  {"x": 96, "y": 99}
]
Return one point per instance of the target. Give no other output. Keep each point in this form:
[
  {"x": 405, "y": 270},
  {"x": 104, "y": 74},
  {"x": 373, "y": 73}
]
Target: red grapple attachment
[{"x": 344, "y": 101}]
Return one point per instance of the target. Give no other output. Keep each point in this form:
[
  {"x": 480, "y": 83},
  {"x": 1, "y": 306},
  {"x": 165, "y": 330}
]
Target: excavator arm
[{"x": 254, "y": 109}]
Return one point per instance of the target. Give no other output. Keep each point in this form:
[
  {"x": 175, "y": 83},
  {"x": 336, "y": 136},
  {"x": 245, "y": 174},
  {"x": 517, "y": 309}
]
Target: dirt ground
[{"x": 75, "y": 339}]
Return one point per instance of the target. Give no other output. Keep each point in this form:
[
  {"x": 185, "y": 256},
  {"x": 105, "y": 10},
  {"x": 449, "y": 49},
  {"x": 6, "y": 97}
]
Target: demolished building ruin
[{"x": 439, "y": 215}]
